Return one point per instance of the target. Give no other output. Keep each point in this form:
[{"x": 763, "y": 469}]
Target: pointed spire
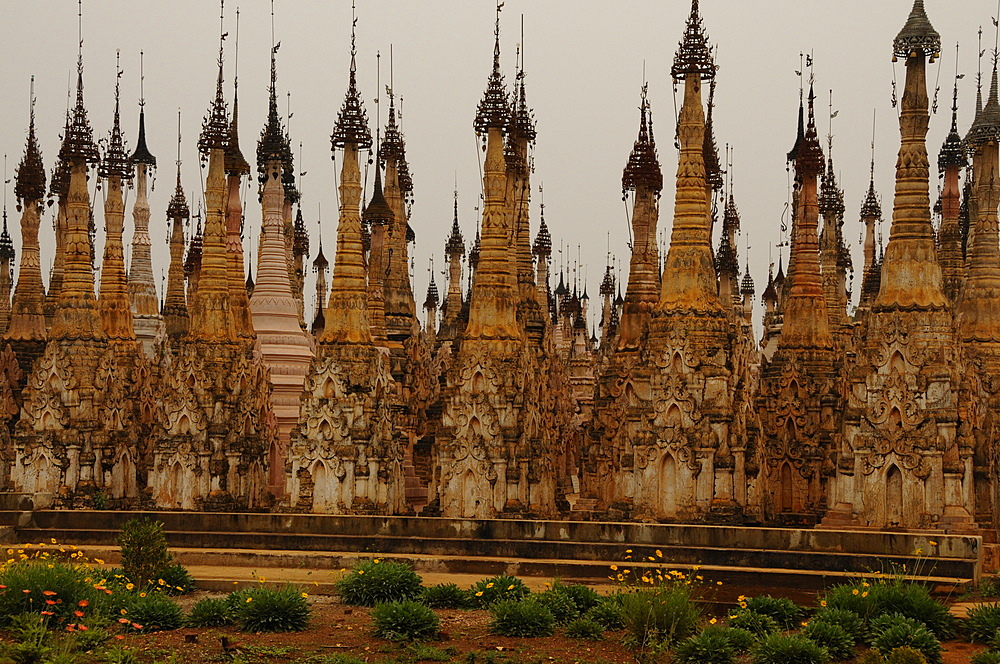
[
  {"x": 543, "y": 241},
  {"x": 693, "y": 55},
  {"x": 352, "y": 121},
  {"x": 378, "y": 210},
  {"x": 986, "y": 127},
  {"x": 493, "y": 110},
  {"x": 320, "y": 263},
  {"x": 433, "y": 297},
  {"x": 799, "y": 133},
  {"x": 272, "y": 145},
  {"x": 78, "y": 141},
  {"x": 917, "y": 36},
  {"x": 952, "y": 152},
  {"x": 236, "y": 163},
  {"x": 643, "y": 167},
  {"x": 747, "y": 286},
  {"x": 6, "y": 244},
  {"x": 116, "y": 161},
  {"x": 142, "y": 155},
  {"x": 456, "y": 243},
  {"x": 809, "y": 160},
  {"x": 30, "y": 174},
  {"x": 215, "y": 127},
  {"x": 713, "y": 170},
  {"x": 300, "y": 241}
]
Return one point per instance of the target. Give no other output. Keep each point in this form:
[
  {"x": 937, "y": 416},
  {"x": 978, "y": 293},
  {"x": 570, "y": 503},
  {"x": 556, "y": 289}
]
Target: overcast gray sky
[{"x": 584, "y": 64}]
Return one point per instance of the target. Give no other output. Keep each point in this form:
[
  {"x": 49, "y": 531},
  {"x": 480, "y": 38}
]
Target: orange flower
[
  {"x": 49, "y": 593},
  {"x": 124, "y": 621},
  {"x": 47, "y": 613},
  {"x": 25, "y": 591},
  {"x": 83, "y": 602},
  {"x": 82, "y": 628},
  {"x": 49, "y": 602},
  {"x": 136, "y": 626},
  {"x": 119, "y": 637},
  {"x": 78, "y": 614}
]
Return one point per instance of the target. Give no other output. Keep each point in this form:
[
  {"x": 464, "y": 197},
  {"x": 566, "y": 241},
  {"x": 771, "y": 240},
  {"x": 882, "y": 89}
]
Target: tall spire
[
  {"x": 215, "y": 126},
  {"x": 493, "y": 111},
  {"x": 911, "y": 274},
  {"x": 236, "y": 163},
  {"x": 142, "y": 155},
  {"x": 951, "y": 160},
  {"x": 347, "y": 309},
  {"x": 689, "y": 282},
  {"x": 175, "y": 313}
]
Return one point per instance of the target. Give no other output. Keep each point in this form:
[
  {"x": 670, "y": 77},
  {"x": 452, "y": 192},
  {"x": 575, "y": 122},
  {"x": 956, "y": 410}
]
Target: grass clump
[
  {"x": 756, "y": 623},
  {"x": 709, "y": 647},
  {"x": 210, "y": 613},
  {"x": 521, "y": 618},
  {"x": 174, "y": 580},
  {"x": 58, "y": 588},
  {"x": 153, "y": 613},
  {"x": 741, "y": 640},
  {"x": 500, "y": 588},
  {"x": 583, "y": 596},
  {"x": 982, "y": 622},
  {"x": 608, "y": 614},
  {"x": 265, "y": 609},
  {"x": 893, "y": 594},
  {"x": 888, "y": 620},
  {"x": 405, "y": 621},
  {"x": 986, "y": 657},
  {"x": 918, "y": 638},
  {"x": 783, "y": 611},
  {"x": 848, "y": 620},
  {"x": 585, "y": 628},
  {"x": 561, "y": 605},
  {"x": 789, "y": 649},
  {"x": 376, "y": 581},
  {"x": 831, "y": 636},
  {"x": 444, "y": 596},
  {"x": 659, "y": 616},
  {"x": 905, "y": 655}
]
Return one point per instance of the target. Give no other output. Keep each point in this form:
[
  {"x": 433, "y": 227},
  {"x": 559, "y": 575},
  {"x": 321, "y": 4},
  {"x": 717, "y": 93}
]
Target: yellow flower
[
  {"x": 805, "y": 622},
  {"x": 743, "y": 605},
  {"x": 142, "y": 594},
  {"x": 361, "y": 571},
  {"x": 98, "y": 561},
  {"x": 698, "y": 577},
  {"x": 712, "y": 621},
  {"x": 855, "y": 591},
  {"x": 659, "y": 554},
  {"x": 249, "y": 599},
  {"x": 628, "y": 550},
  {"x": 620, "y": 577},
  {"x": 479, "y": 594},
  {"x": 864, "y": 594},
  {"x": 305, "y": 594},
  {"x": 651, "y": 558},
  {"x": 933, "y": 543},
  {"x": 822, "y": 602},
  {"x": 129, "y": 586},
  {"x": 376, "y": 561},
  {"x": 718, "y": 583},
  {"x": 614, "y": 568},
  {"x": 489, "y": 585},
  {"x": 741, "y": 598},
  {"x": 160, "y": 581},
  {"x": 510, "y": 587}
]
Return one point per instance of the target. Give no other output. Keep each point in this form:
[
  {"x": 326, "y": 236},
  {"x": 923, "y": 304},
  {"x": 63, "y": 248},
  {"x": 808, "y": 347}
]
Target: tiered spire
[
  {"x": 113, "y": 302},
  {"x": 175, "y": 313},
  {"x": 911, "y": 274},
  {"x": 347, "y": 310},
  {"x": 236, "y": 168},
  {"x": 493, "y": 111},
  {"x": 689, "y": 282},
  {"x": 951, "y": 160}
]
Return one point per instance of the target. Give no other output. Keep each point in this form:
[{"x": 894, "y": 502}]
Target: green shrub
[
  {"x": 851, "y": 622},
  {"x": 883, "y": 622},
  {"x": 33, "y": 640},
  {"x": 405, "y": 621},
  {"x": 176, "y": 581},
  {"x": 497, "y": 589},
  {"x": 561, "y": 605},
  {"x": 784, "y": 611},
  {"x": 870, "y": 657},
  {"x": 583, "y": 596},
  {"x": 153, "y": 613},
  {"x": 853, "y": 597},
  {"x": 831, "y": 636},
  {"x": 375, "y": 581},
  {"x": 986, "y": 657},
  {"x": 120, "y": 655},
  {"x": 756, "y": 623},
  {"x": 266, "y": 609},
  {"x": 659, "y": 616},
  {"x": 607, "y": 614},
  {"x": 982, "y": 621},
  {"x": 905, "y": 655},
  {"x": 904, "y": 634},
  {"x": 585, "y": 628},
  {"x": 521, "y": 618},
  {"x": 29, "y": 585},
  {"x": 210, "y": 613},
  {"x": 709, "y": 647},
  {"x": 740, "y": 639},
  {"x": 914, "y": 601},
  {"x": 444, "y": 596},
  {"x": 144, "y": 550},
  {"x": 789, "y": 649}
]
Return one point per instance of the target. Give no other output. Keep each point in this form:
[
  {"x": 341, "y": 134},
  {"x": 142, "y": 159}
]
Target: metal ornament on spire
[
  {"x": 693, "y": 55},
  {"x": 986, "y": 127},
  {"x": 809, "y": 160},
  {"x": 952, "y": 152},
  {"x": 235, "y": 163},
  {"x": 215, "y": 128},
  {"x": 493, "y": 110},
  {"x": 29, "y": 176},
  {"x": 643, "y": 167},
  {"x": 78, "y": 142},
  {"x": 918, "y": 36},
  {"x": 272, "y": 145},
  {"x": 352, "y": 121},
  {"x": 142, "y": 155},
  {"x": 116, "y": 159},
  {"x": 456, "y": 243},
  {"x": 178, "y": 207}
]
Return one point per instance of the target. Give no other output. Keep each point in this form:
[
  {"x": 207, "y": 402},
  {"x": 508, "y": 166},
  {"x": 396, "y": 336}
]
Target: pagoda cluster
[{"x": 220, "y": 394}]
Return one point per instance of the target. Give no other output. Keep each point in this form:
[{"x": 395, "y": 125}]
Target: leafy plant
[
  {"x": 210, "y": 613},
  {"x": 789, "y": 649},
  {"x": 755, "y": 623},
  {"x": 583, "y": 596},
  {"x": 176, "y": 581},
  {"x": 444, "y": 596},
  {"x": 405, "y": 621},
  {"x": 144, "y": 552},
  {"x": 893, "y": 595},
  {"x": 34, "y": 641},
  {"x": 659, "y": 616},
  {"x": 521, "y": 618},
  {"x": 585, "y": 628},
  {"x": 153, "y": 613},
  {"x": 709, "y": 647},
  {"x": 848, "y": 620},
  {"x": 871, "y": 657},
  {"x": 905, "y": 634},
  {"x": 784, "y": 611},
  {"x": 831, "y": 636},
  {"x": 119, "y": 655},
  {"x": 421, "y": 652},
  {"x": 740, "y": 639},
  {"x": 986, "y": 657},
  {"x": 905, "y": 655},
  {"x": 982, "y": 622},
  {"x": 497, "y": 589},
  {"x": 374, "y": 581},
  {"x": 608, "y": 614},
  {"x": 266, "y": 609},
  {"x": 561, "y": 605},
  {"x": 885, "y": 621},
  {"x": 40, "y": 584}
]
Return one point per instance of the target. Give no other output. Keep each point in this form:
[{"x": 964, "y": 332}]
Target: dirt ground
[{"x": 338, "y": 631}]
